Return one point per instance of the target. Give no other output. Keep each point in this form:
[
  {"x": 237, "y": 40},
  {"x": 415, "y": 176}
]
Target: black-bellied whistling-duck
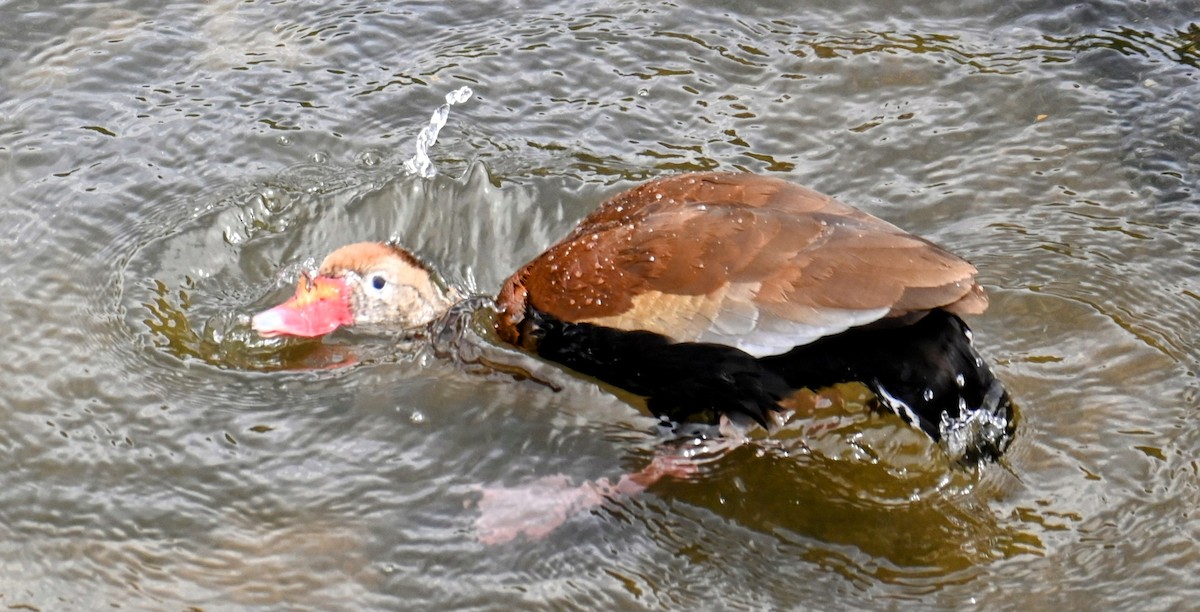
[{"x": 714, "y": 294}]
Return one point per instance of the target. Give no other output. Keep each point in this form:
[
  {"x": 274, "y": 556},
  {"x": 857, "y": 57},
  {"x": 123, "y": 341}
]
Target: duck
[{"x": 713, "y": 296}]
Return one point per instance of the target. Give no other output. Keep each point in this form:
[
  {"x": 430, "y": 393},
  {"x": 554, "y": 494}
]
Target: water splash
[
  {"x": 420, "y": 164},
  {"x": 984, "y": 432}
]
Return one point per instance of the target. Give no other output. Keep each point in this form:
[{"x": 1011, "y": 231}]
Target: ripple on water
[
  {"x": 184, "y": 282},
  {"x": 155, "y": 450},
  {"x": 850, "y": 472}
]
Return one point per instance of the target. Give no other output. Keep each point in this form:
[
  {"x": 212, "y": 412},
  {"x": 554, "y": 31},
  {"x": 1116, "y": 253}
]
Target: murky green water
[{"x": 164, "y": 170}]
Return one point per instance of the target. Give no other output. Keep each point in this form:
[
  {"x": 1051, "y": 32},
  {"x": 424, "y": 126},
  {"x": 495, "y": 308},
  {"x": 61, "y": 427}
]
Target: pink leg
[{"x": 537, "y": 508}]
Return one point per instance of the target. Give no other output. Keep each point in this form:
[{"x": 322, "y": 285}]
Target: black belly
[{"x": 927, "y": 372}]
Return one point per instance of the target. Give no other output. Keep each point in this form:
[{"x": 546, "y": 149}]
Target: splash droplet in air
[{"x": 420, "y": 164}]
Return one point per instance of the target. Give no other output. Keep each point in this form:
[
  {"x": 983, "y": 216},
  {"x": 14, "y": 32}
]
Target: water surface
[{"x": 166, "y": 171}]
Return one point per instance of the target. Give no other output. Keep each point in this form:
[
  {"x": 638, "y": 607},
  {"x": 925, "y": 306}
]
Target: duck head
[{"x": 367, "y": 283}]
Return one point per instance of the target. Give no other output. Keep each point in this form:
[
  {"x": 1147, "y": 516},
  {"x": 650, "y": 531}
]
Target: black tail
[{"x": 928, "y": 373}]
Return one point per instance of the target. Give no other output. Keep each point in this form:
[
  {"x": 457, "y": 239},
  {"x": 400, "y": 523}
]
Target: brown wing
[{"x": 744, "y": 260}]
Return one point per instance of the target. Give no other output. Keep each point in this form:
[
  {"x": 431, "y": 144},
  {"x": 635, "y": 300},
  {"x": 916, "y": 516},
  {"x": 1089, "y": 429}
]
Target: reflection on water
[{"x": 168, "y": 170}]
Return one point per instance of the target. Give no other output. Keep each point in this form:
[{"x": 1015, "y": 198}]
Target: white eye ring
[{"x": 378, "y": 282}]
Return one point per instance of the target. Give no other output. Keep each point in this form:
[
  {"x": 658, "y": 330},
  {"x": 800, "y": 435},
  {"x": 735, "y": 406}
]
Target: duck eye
[{"x": 378, "y": 282}]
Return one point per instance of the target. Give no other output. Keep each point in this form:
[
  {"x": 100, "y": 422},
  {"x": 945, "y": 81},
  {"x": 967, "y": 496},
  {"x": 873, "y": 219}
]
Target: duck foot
[{"x": 537, "y": 508}]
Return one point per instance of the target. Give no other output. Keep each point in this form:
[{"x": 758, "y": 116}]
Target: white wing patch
[
  {"x": 730, "y": 316},
  {"x": 772, "y": 335},
  {"x": 737, "y": 314}
]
